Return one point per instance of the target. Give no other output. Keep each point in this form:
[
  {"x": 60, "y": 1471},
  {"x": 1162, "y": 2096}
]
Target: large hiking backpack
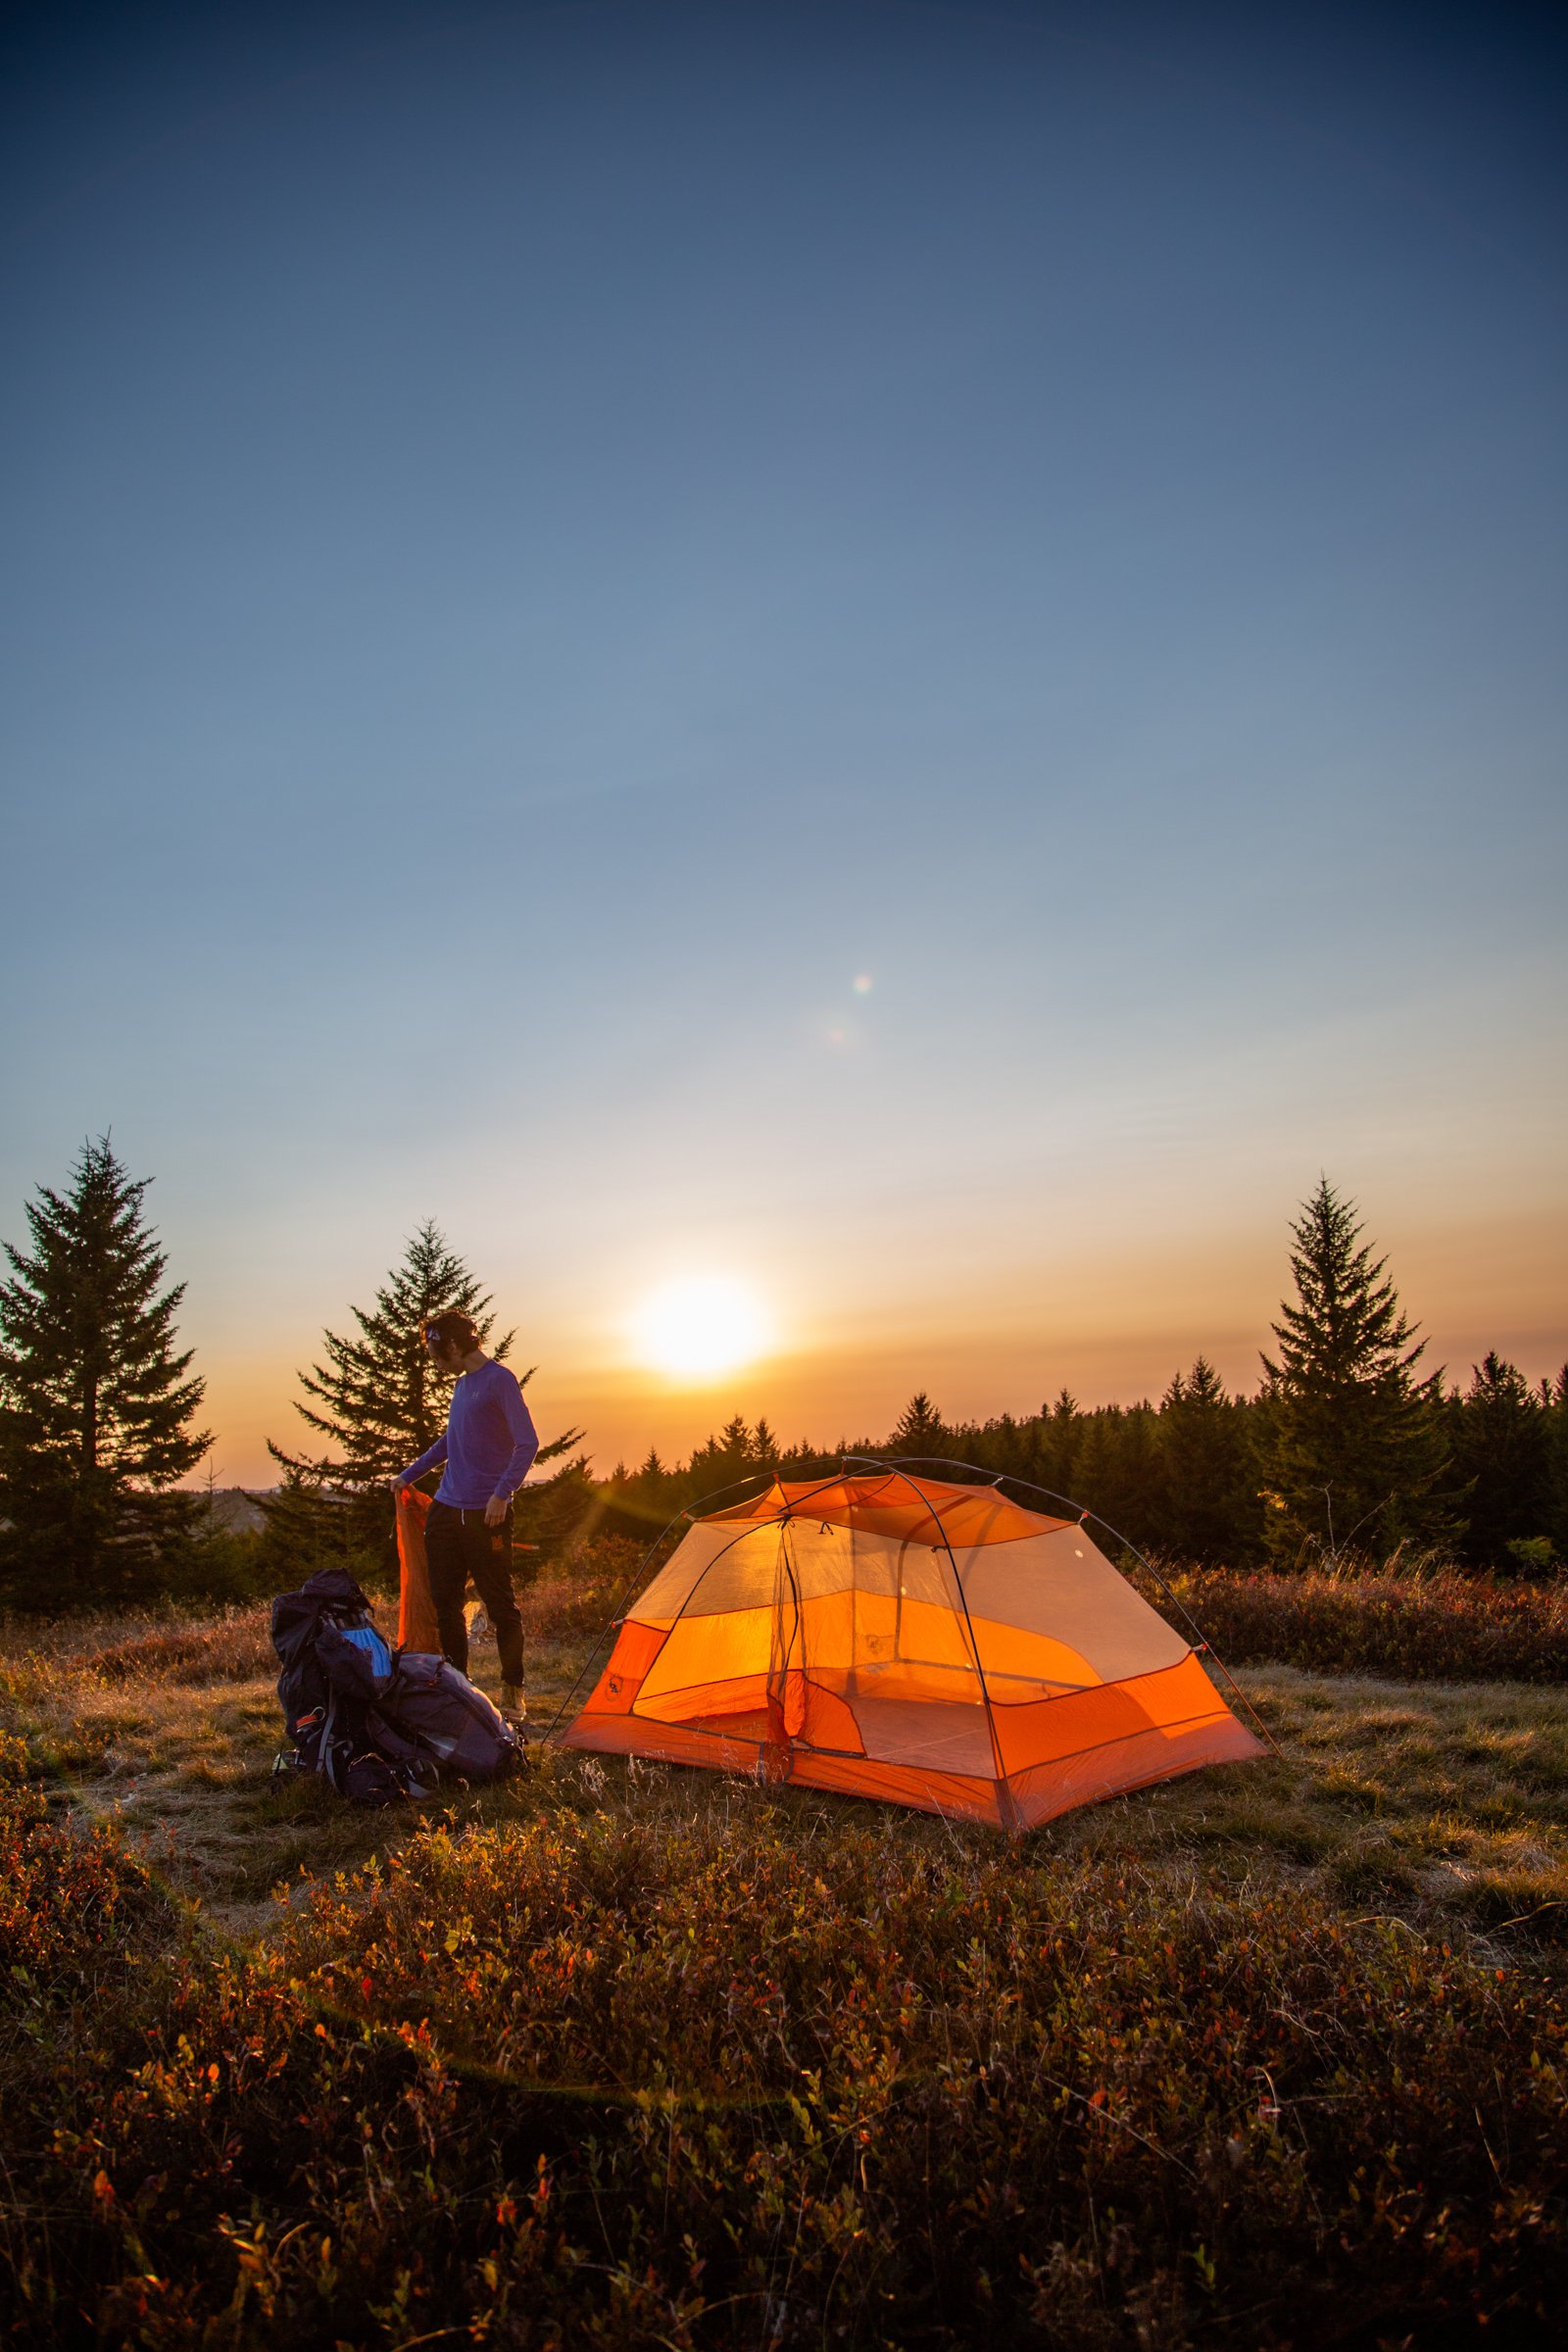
[
  {"x": 379, "y": 1724},
  {"x": 333, "y": 1660},
  {"x": 436, "y": 1707},
  {"x": 328, "y": 1599}
]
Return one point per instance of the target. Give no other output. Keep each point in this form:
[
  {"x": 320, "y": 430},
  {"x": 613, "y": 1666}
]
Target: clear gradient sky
[{"x": 540, "y": 542}]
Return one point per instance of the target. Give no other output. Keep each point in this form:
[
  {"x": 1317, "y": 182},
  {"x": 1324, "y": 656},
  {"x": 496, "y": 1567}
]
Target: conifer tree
[
  {"x": 1118, "y": 1471},
  {"x": 307, "y": 1528},
  {"x": 1212, "y": 1503},
  {"x": 1503, "y": 1461},
  {"x": 1058, "y": 1443},
  {"x": 96, "y": 1403},
  {"x": 920, "y": 1430},
  {"x": 721, "y": 1461},
  {"x": 764, "y": 1447},
  {"x": 1004, "y": 1444},
  {"x": 1554, "y": 1403},
  {"x": 1354, "y": 1444},
  {"x": 378, "y": 1399}
]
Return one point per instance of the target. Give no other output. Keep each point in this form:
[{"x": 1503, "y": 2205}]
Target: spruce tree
[
  {"x": 1120, "y": 1473},
  {"x": 96, "y": 1402},
  {"x": 1058, "y": 1444},
  {"x": 1503, "y": 1461},
  {"x": 723, "y": 1461},
  {"x": 1354, "y": 1444},
  {"x": 378, "y": 1401},
  {"x": 764, "y": 1447},
  {"x": 1553, "y": 1395},
  {"x": 920, "y": 1430},
  {"x": 1211, "y": 1509}
]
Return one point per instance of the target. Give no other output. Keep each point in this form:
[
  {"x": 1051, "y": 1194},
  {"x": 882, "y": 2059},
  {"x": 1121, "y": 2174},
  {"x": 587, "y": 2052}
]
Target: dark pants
[{"x": 458, "y": 1547}]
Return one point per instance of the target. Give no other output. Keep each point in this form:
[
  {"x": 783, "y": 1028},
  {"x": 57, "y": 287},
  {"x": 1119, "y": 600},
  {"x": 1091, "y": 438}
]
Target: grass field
[{"x": 1272, "y": 2055}]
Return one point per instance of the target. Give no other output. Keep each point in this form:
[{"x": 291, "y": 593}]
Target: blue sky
[{"x": 544, "y": 541}]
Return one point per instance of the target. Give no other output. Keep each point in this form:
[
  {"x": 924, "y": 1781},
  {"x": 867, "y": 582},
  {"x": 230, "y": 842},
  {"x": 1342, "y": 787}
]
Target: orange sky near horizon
[{"x": 1111, "y": 1329}]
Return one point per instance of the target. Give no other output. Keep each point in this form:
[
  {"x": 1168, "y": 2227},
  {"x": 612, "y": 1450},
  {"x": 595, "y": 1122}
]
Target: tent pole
[
  {"x": 632, "y": 1583},
  {"x": 1005, "y": 1801},
  {"x": 1081, "y": 1512}
]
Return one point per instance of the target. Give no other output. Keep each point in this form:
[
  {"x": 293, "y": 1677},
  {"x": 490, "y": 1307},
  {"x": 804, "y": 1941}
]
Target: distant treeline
[
  {"x": 1349, "y": 1454},
  {"x": 1188, "y": 1478}
]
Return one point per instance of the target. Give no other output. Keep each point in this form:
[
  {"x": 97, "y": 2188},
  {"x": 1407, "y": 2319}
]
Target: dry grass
[
  {"x": 170, "y": 1727},
  {"x": 1443, "y": 1804}
]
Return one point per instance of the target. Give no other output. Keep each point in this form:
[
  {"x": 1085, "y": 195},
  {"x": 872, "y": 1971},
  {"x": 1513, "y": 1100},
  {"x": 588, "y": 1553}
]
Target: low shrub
[
  {"x": 68, "y": 1894},
  {"x": 1444, "y": 1627},
  {"x": 769, "y": 2075},
  {"x": 78, "y": 1917}
]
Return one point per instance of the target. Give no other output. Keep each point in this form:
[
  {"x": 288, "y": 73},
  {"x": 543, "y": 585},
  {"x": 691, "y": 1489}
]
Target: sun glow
[{"x": 700, "y": 1325}]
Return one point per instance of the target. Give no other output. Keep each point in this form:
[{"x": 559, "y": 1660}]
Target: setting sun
[{"x": 703, "y": 1324}]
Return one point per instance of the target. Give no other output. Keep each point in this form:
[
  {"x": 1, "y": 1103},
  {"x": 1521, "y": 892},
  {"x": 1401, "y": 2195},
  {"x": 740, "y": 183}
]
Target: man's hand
[
  {"x": 495, "y": 1510},
  {"x": 398, "y": 1485}
]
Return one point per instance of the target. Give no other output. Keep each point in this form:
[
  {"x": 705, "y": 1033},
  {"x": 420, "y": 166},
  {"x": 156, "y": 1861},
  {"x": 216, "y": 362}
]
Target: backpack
[
  {"x": 380, "y": 1724},
  {"x": 436, "y": 1708},
  {"x": 333, "y": 1661},
  {"x": 328, "y": 1598}
]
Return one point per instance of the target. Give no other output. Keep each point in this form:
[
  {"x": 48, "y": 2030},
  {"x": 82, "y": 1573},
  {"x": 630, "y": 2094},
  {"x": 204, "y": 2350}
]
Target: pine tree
[
  {"x": 721, "y": 1461},
  {"x": 96, "y": 1405},
  {"x": 764, "y": 1447},
  {"x": 920, "y": 1430},
  {"x": 1354, "y": 1444},
  {"x": 379, "y": 1401},
  {"x": 1503, "y": 1461},
  {"x": 1120, "y": 1473},
  {"x": 307, "y": 1528},
  {"x": 1058, "y": 1443},
  {"x": 1553, "y": 1395},
  {"x": 1212, "y": 1503}
]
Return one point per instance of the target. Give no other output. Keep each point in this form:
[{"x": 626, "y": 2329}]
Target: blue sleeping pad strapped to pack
[
  {"x": 327, "y": 1605},
  {"x": 365, "y": 1638},
  {"x": 379, "y": 1724}
]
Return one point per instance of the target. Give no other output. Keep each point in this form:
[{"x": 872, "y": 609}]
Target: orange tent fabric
[
  {"x": 417, "y": 1624},
  {"x": 905, "y": 1637}
]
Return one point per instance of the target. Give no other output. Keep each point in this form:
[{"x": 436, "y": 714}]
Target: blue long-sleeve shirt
[{"x": 489, "y": 1443}]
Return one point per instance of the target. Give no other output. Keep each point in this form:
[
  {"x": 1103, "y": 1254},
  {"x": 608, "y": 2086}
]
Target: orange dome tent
[{"x": 895, "y": 1636}]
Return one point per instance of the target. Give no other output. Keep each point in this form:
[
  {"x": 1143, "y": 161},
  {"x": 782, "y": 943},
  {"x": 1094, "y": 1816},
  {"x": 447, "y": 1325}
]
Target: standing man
[{"x": 488, "y": 1450}]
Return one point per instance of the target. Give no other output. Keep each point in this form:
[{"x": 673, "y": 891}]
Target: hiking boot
[{"x": 513, "y": 1705}]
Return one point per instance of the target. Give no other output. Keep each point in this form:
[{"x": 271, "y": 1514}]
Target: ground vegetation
[{"x": 622, "y": 2055}]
